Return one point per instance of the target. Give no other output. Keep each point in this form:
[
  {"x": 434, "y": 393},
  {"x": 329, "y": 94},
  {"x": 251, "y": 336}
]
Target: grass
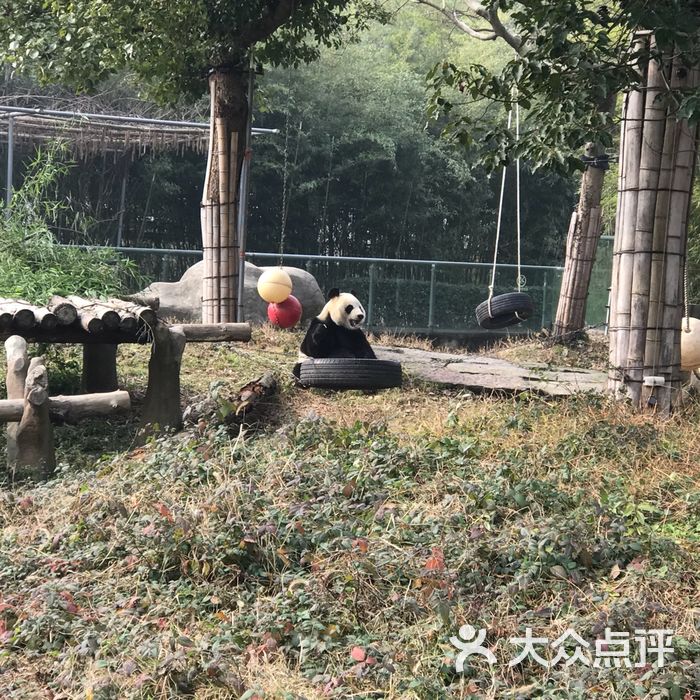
[{"x": 333, "y": 550}]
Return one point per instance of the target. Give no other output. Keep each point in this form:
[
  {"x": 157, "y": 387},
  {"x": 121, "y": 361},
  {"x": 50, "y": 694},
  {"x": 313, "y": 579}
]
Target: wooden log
[
  {"x": 142, "y": 312},
  {"x": 129, "y": 323},
  {"x": 77, "y": 334},
  {"x": 108, "y": 316},
  {"x": 161, "y": 409},
  {"x": 17, "y": 365},
  {"x": 149, "y": 300},
  {"x": 35, "y": 450},
  {"x": 215, "y": 332},
  {"x": 87, "y": 319},
  {"x": 63, "y": 310},
  {"x": 22, "y": 313},
  {"x": 72, "y": 409},
  {"x": 99, "y": 367},
  {"x": 240, "y": 403},
  {"x": 40, "y": 315}
]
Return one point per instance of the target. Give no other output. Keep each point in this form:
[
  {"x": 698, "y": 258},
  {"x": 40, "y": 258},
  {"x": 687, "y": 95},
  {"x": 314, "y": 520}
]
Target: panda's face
[{"x": 345, "y": 310}]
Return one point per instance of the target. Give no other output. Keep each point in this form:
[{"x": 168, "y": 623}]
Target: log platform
[{"x": 100, "y": 326}]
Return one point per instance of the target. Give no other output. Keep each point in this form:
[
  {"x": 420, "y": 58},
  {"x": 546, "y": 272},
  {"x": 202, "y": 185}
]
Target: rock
[{"x": 182, "y": 300}]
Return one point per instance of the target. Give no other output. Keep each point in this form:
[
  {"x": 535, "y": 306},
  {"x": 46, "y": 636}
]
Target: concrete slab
[{"x": 481, "y": 373}]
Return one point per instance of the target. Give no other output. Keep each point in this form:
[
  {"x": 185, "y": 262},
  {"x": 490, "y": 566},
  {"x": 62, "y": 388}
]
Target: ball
[
  {"x": 285, "y": 314},
  {"x": 274, "y": 285},
  {"x": 690, "y": 343}
]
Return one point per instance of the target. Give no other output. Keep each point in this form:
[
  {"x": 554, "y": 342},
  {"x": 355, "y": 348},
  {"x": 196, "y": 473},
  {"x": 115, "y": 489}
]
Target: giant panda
[{"x": 336, "y": 331}]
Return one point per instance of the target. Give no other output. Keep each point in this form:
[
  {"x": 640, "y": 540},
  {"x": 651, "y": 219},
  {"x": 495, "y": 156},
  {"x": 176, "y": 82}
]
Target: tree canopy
[
  {"x": 573, "y": 57},
  {"x": 169, "y": 44}
]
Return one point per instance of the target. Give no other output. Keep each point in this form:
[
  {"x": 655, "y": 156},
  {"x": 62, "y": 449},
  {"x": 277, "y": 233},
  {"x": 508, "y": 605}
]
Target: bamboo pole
[
  {"x": 222, "y": 165},
  {"x": 207, "y": 279},
  {"x": 206, "y": 216},
  {"x": 216, "y": 263},
  {"x": 614, "y": 379},
  {"x": 663, "y": 201},
  {"x": 649, "y": 167},
  {"x": 674, "y": 255},
  {"x": 625, "y": 228},
  {"x": 234, "y": 251}
]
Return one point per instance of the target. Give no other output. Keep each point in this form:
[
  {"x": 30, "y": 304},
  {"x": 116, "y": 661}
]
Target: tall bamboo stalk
[
  {"x": 663, "y": 201},
  {"x": 674, "y": 254},
  {"x": 625, "y": 227},
  {"x": 206, "y": 219},
  {"x": 222, "y": 155},
  {"x": 650, "y": 164},
  {"x": 232, "y": 268}
]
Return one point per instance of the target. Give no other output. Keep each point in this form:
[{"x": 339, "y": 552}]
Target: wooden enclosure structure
[{"x": 99, "y": 326}]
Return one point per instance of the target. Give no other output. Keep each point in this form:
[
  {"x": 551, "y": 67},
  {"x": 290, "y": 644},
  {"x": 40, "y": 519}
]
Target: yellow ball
[
  {"x": 274, "y": 285},
  {"x": 690, "y": 343}
]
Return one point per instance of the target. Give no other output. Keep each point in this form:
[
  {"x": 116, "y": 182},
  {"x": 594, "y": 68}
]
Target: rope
[
  {"x": 686, "y": 310},
  {"x": 498, "y": 227},
  {"x": 517, "y": 194},
  {"x": 283, "y": 217}
]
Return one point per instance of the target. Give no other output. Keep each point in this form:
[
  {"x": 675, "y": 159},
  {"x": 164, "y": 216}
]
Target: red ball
[{"x": 285, "y": 314}]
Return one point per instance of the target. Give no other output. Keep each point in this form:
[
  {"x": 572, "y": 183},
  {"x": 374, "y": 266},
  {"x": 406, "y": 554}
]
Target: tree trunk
[
  {"x": 582, "y": 241},
  {"x": 581, "y": 244},
  {"x": 228, "y": 89}
]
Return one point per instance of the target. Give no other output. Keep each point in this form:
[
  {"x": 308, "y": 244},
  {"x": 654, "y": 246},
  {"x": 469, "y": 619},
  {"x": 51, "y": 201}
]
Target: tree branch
[{"x": 486, "y": 11}]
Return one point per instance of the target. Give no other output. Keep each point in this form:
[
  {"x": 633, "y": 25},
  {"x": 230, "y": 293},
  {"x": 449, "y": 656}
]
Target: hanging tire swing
[{"x": 503, "y": 310}]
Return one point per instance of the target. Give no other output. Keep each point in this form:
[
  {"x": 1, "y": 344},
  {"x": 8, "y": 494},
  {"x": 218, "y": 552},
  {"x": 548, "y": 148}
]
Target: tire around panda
[
  {"x": 350, "y": 373},
  {"x": 506, "y": 310}
]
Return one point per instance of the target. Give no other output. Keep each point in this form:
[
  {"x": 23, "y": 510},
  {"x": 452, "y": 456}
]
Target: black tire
[
  {"x": 350, "y": 373},
  {"x": 506, "y": 310}
]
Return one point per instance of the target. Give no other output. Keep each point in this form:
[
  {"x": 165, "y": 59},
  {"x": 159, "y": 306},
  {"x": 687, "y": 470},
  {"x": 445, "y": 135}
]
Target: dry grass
[{"x": 210, "y": 565}]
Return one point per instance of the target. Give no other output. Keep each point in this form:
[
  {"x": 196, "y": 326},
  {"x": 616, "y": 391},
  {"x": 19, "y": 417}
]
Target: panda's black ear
[
  {"x": 353, "y": 292},
  {"x": 333, "y": 293}
]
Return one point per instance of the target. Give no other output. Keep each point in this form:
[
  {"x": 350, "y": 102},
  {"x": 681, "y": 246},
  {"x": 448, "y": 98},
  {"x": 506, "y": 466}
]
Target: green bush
[{"x": 34, "y": 265}]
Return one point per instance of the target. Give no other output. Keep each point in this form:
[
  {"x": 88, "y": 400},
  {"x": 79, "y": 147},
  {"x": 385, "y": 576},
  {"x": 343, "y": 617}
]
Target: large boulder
[{"x": 182, "y": 300}]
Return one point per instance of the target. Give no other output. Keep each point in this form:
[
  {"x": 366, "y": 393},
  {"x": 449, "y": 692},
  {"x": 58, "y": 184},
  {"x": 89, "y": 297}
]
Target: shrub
[{"x": 34, "y": 265}]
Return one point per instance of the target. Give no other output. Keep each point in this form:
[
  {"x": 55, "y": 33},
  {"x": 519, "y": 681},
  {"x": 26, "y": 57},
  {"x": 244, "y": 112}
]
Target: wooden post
[
  {"x": 17, "y": 364},
  {"x": 161, "y": 407},
  {"x": 99, "y": 367},
  {"x": 35, "y": 451}
]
